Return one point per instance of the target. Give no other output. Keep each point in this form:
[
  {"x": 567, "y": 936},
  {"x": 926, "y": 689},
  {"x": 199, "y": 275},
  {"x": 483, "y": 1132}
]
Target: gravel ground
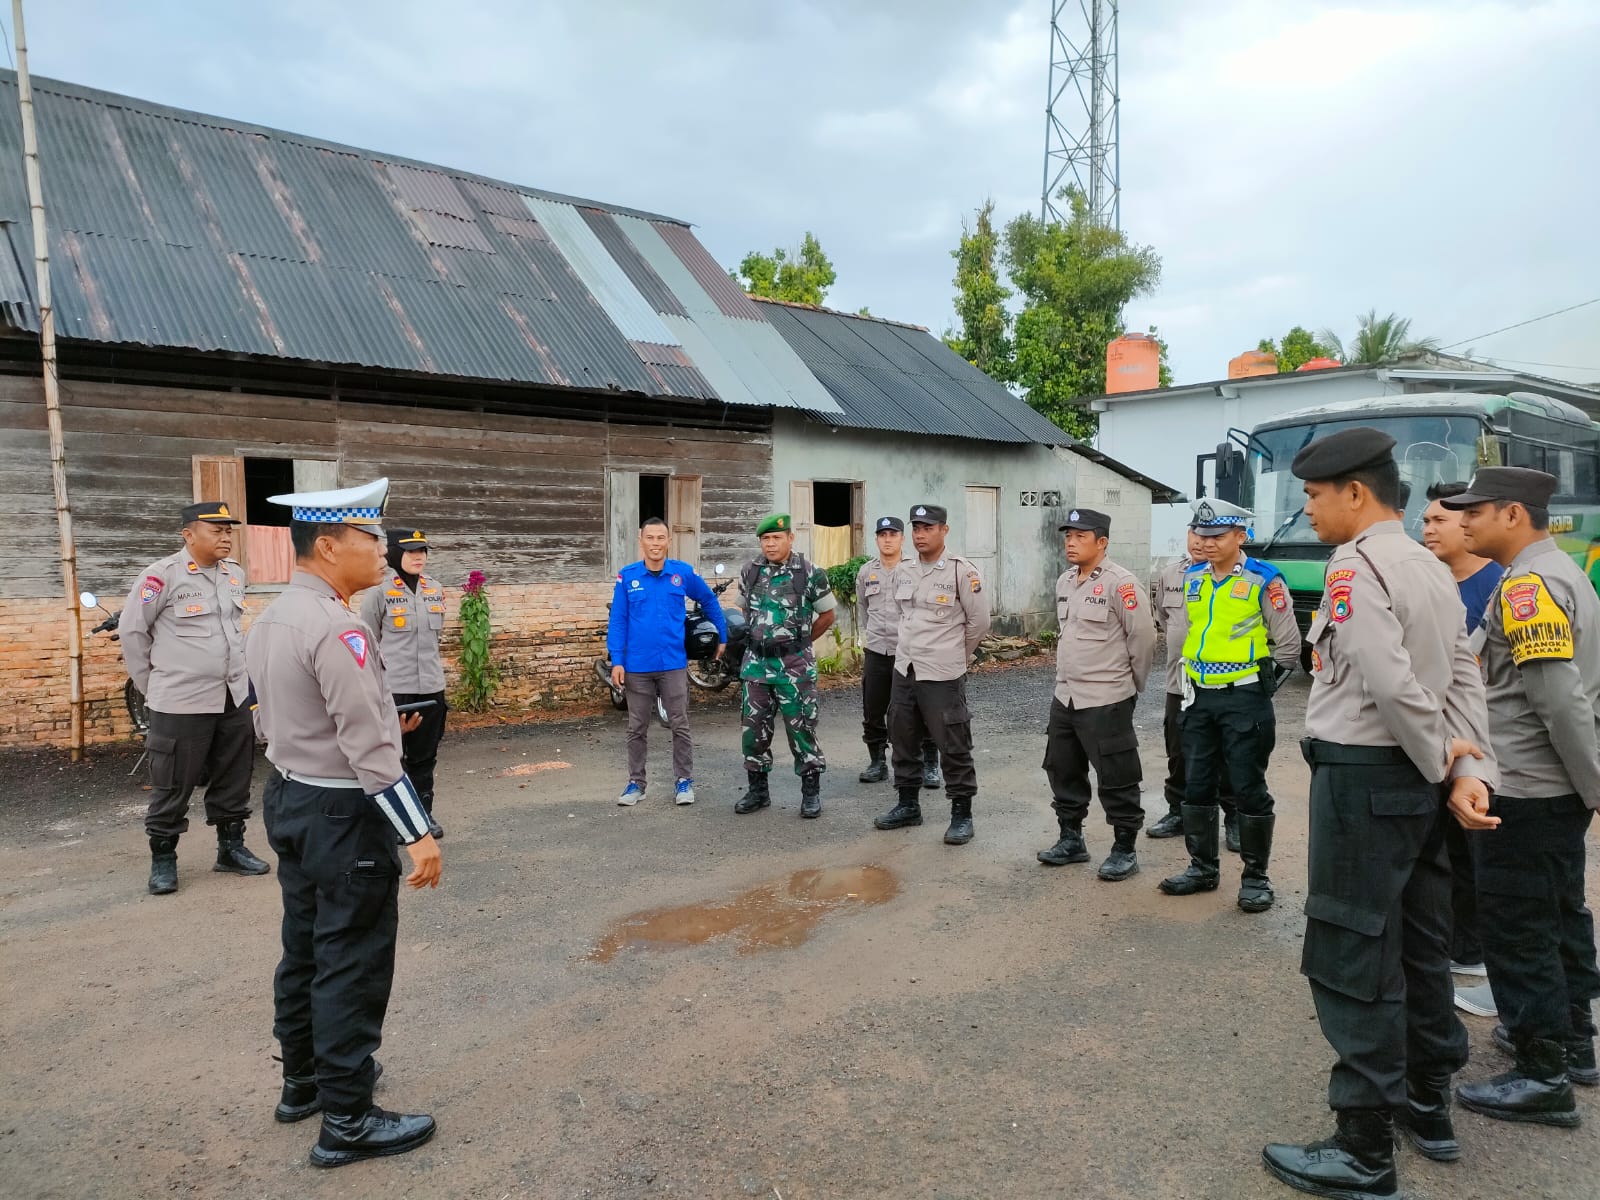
[{"x": 967, "y": 1024}]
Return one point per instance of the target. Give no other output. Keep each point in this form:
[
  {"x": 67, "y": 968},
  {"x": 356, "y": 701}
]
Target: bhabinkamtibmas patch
[{"x": 1535, "y": 625}]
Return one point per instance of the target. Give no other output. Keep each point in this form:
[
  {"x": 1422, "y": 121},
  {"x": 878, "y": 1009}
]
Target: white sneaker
[
  {"x": 1479, "y": 1001},
  {"x": 685, "y": 793},
  {"x": 631, "y": 794},
  {"x": 1476, "y": 969}
]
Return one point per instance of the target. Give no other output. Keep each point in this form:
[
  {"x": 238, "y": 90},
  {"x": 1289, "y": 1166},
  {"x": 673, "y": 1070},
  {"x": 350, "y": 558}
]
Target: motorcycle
[{"x": 132, "y": 697}]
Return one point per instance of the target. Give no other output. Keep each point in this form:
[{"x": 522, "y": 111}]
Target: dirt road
[{"x": 951, "y": 1023}]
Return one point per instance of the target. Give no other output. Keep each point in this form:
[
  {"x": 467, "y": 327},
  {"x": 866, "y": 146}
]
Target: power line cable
[{"x": 1520, "y": 324}]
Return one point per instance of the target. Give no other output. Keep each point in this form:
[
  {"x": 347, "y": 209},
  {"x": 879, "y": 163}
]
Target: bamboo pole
[{"x": 52, "y": 398}]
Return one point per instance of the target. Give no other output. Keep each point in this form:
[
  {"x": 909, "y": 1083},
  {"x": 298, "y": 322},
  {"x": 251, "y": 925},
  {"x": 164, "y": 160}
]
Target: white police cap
[{"x": 361, "y": 506}]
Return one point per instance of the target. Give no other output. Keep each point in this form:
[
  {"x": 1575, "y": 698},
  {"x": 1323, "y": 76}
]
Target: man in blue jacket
[{"x": 648, "y": 659}]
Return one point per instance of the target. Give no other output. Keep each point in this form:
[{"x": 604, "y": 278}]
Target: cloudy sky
[{"x": 1293, "y": 161}]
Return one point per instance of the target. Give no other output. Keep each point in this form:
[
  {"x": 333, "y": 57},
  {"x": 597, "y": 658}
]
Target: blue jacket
[{"x": 646, "y": 628}]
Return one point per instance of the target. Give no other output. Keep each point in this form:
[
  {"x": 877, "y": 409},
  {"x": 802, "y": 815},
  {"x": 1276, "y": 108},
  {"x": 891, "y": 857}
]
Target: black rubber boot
[
  {"x": 1230, "y": 832},
  {"x": 932, "y": 777},
  {"x": 757, "y": 795},
  {"x": 1122, "y": 861},
  {"x": 348, "y": 1138},
  {"x": 1255, "y": 840},
  {"x": 1070, "y": 849},
  {"x": 231, "y": 853},
  {"x": 877, "y": 770},
  {"x": 960, "y": 831},
  {"x": 1200, "y": 838},
  {"x": 1536, "y": 1091},
  {"x": 906, "y": 811},
  {"x": 811, "y": 794},
  {"x": 1168, "y": 826},
  {"x": 1356, "y": 1163},
  {"x": 1426, "y": 1117},
  {"x": 1581, "y": 1067},
  {"x": 163, "y": 866},
  {"x": 300, "y": 1098}
]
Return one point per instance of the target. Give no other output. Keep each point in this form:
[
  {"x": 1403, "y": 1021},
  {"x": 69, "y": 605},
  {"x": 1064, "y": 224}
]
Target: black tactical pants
[
  {"x": 419, "y": 749},
  {"x": 186, "y": 748},
  {"x": 1538, "y": 934},
  {"x": 1102, "y": 737},
  {"x": 1465, "y": 947},
  {"x": 1377, "y": 944},
  {"x": 924, "y": 710},
  {"x": 339, "y": 868},
  {"x": 1228, "y": 736},
  {"x": 877, "y": 685},
  {"x": 1172, "y": 736}
]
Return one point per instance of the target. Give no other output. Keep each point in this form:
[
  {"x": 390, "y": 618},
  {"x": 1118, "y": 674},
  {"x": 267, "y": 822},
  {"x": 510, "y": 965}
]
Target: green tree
[
  {"x": 1378, "y": 339},
  {"x": 802, "y": 276},
  {"x": 984, "y": 339},
  {"x": 1296, "y": 348}
]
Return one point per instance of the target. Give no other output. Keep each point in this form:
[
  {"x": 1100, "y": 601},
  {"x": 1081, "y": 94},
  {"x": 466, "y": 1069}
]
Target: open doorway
[{"x": 836, "y": 519}]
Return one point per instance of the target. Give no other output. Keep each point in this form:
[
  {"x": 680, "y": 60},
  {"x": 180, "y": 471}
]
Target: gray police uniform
[
  {"x": 409, "y": 621},
  {"x": 878, "y": 619}
]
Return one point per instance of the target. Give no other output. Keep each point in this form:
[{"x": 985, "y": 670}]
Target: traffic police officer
[
  {"x": 1240, "y": 632},
  {"x": 879, "y": 622},
  {"x": 1539, "y": 646},
  {"x": 1171, "y": 612},
  {"x": 1103, "y": 658},
  {"x": 337, "y": 807},
  {"x": 944, "y": 613},
  {"x": 407, "y": 613},
  {"x": 788, "y": 604},
  {"x": 183, "y": 644},
  {"x": 1396, "y": 709}
]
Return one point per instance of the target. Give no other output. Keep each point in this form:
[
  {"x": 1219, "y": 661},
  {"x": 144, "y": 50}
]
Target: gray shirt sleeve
[
  {"x": 1140, "y": 631},
  {"x": 1466, "y": 714},
  {"x": 133, "y": 629},
  {"x": 1283, "y": 631},
  {"x": 1552, "y": 684}
]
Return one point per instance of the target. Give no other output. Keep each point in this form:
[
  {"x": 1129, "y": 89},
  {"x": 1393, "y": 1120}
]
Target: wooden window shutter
[
  {"x": 858, "y": 519},
  {"x": 800, "y": 512},
  {"x": 622, "y": 525},
  {"x": 683, "y": 518},
  {"x": 221, "y": 477}
]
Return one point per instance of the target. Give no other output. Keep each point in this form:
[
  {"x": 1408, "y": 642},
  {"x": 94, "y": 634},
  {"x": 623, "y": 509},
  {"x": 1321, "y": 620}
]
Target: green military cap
[{"x": 775, "y": 523}]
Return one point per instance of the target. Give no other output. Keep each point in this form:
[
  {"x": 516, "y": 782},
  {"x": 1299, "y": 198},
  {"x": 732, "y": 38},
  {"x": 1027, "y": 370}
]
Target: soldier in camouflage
[{"x": 788, "y": 604}]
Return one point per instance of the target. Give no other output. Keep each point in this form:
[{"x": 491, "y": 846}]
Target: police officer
[
  {"x": 338, "y": 806},
  {"x": 1103, "y": 658},
  {"x": 1396, "y": 709},
  {"x": 1171, "y": 612},
  {"x": 944, "y": 613},
  {"x": 1240, "y": 632},
  {"x": 183, "y": 645},
  {"x": 879, "y": 622},
  {"x": 1540, "y": 650},
  {"x": 407, "y": 613},
  {"x": 788, "y": 604}
]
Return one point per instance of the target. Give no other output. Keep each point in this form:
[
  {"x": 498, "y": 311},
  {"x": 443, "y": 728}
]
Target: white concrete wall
[{"x": 900, "y": 470}]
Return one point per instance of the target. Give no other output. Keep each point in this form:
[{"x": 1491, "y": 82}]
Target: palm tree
[{"x": 1378, "y": 339}]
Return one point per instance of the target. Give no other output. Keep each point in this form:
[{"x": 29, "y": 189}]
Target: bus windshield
[{"x": 1429, "y": 448}]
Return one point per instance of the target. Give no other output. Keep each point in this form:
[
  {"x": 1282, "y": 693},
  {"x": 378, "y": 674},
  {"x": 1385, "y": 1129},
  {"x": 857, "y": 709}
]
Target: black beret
[
  {"x": 929, "y": 514},
  {"x": 1343, "y": 453},
  {"x": 1525, "y": 486},
  {"x": 890, "y": 523},
  {"x": 1086, "y": 518},
  {"x": 212, "y": 512}
]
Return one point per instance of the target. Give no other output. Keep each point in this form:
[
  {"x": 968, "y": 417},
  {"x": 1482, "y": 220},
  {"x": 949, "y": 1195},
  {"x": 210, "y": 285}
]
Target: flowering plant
[
  {"x": 479, "y": 675},
  {"x": 475, "y": 583}
]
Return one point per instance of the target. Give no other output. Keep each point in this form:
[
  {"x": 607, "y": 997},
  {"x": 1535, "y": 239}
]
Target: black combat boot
[
  {"x": 1168, "y": 826},
  {"x": 811, "y": 794},
  {"x": 1200, "y": 838},
  {"x": 1255, "y": 838},
  {"x": 434, "y": 828},
  {"x": 1356, "y": 1163},
  {"x": 1426, "y": 1117},
  {"x": 877, "y": 770},
  {"x": 163, "y": 866},
  {"x": 932, "y": 777},
  {"x": 1230, "y": 832},
  {"x": 350, "y": 1137},
  {"x": 906, "y": 811},
  {"x": 231, "y": 853},
  {"x": 960, "y": 831},
  {"x": 1537, "y": 1090},
  {"x": 1122, "y": 861},
  {"x": 1070, "y": 849},
  {"x": 1581, "y": 1067},
  {"x": 300, "y": 1098},
  {"x": 756, "y": 796}
]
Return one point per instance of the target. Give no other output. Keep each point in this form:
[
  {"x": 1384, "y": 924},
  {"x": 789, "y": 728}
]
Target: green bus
[{"x": 1438, "y": 437}]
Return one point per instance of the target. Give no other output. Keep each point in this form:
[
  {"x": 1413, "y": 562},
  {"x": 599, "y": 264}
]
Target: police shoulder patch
[
  {"x": 355, "y": 641},
  {"x": 1277, "y": 595},
  {"x": 1339, "y": 607},
  {"x": 974, "y": 583},
  {"x": 151, "y": 588},
  {"x": 1536, "y": 626},
  {"x": 1129, "y": 595}
]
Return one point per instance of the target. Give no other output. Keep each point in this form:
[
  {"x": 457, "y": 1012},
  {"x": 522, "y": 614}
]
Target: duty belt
[
  {"x": 1318, "y": 751},
  {"x": 319, "y": 781},
  {"x": 777, "y": 649}
]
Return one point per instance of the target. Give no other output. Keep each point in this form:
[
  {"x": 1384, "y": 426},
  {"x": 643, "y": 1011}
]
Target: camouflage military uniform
[{"x": 781, "y": 602}]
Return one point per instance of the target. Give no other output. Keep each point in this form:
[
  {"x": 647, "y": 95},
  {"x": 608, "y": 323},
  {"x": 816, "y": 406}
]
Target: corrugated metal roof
[
  {"x": 718, "y": 284},
  {"x": 632, "y": 262}
]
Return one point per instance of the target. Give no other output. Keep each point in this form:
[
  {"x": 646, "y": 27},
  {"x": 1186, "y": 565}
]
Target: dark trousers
[
  {"x": 1538, "y": 934},
  {"x": 1172, "y": 736},
  {"x": 186, "y": 748},
  {"x": 1102, "y": 737},
  {"x": 419, "y": 749},
  {"x": 1228, "y": 735},
  {"x": 339, "y": 868},
  {"x": 877, "y": 685},
  {"x": 1377, "y": 943},
  {"x": 924, "y": 710},
  {"x": 642, "y": 688},
  {"x": 1464, "y": 944}
]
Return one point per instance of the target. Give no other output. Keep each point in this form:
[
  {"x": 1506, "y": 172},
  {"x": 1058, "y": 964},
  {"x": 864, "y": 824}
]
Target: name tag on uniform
[
  {"x": 394, "y": 592},
  {"x": 435, "y": 608},
  {"x": 194, "y": 608}
]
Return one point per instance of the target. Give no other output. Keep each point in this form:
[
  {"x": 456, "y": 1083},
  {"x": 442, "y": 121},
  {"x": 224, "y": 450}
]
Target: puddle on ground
[{"x": 775, "y": 916}]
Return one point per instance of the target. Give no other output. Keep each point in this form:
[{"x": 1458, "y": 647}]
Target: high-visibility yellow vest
[{"x": 1227, "y": 635}]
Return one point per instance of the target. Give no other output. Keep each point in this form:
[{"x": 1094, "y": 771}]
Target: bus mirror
[{"x": 1488, "y": 450}]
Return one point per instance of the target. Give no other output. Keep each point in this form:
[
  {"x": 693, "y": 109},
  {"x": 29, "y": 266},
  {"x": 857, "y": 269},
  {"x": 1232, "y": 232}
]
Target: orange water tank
[
  {"x": 1319, "y": 364},
  {"x": 1133, "y": 363},
  {"x": 1253, "y": 362}
]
